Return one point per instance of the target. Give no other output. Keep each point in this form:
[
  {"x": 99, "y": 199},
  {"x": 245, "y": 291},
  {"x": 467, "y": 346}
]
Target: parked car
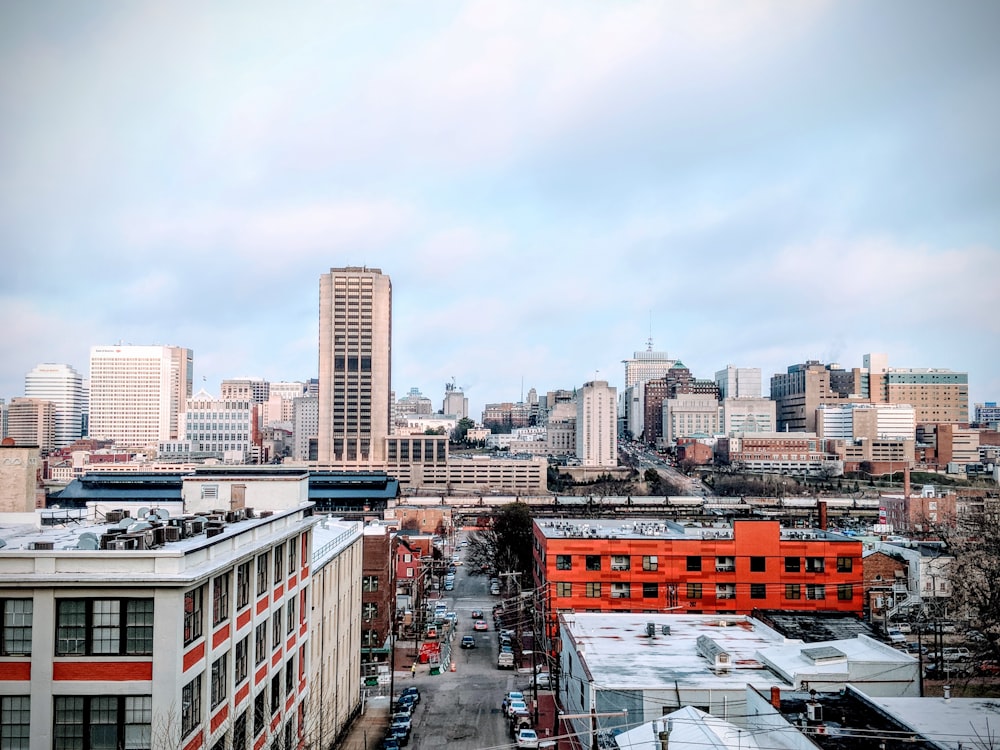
[
  {"x": 895, "y": 636},
  {"x": 516, "y": 706},
  {"x": 543, "y": 680},
  {"x": 468, "y": 641},
  {"x": 480, "y": 625},
  {"x": 505, "y": 660},
  {"x": 411, "y": 691},
  {"x": 527, "y": 738},
  {"x": 477, "y": 614}
]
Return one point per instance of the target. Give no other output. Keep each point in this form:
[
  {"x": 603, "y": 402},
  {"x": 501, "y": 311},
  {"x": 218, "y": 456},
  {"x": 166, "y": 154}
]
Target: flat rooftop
[
  {"x": 651, "y": 528},
  {"x": 619, "y": 653}
]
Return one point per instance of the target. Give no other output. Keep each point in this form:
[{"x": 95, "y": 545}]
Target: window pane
[
  {"x": 15, "y": 722},
  {"x": 71, "y": 630},
  {"x": 139, "y": 626},
  {"x": 68, "y": 723},
  {"x": 103, "y": 723},
  {"x": 17, "y": 615}
]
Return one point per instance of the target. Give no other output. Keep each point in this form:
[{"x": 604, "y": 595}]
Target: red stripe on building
[
  {"x": 260, "y": 741},
  {"x": 241, "y": 694},
  {"x": 220, "y": 636},
  {"x": 305, "y": 572},
  {"x": 290, "y": 703},
  {"x": 197, "y": 741},
  {"x": 276, "y": 658},
  {"x": 194, "y": 656},
  {"x": 219, "y": 718},
  {"x": 279, "y": 591},
  {"x": 275, "y": 722},
  {"x": 292, "y": 582},
  {"x": 260, "y": 675},
  {"x": 103, "y": 671},
  {"x": 290, "y": 644},
  {"x": 243, "y": 618},
  {"x": 16, "y": 671},
  {"x": 262, "y": 606}
]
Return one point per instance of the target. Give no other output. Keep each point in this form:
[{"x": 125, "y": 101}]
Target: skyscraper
[
  {"x": 63, "y": 386},
  {"x": 355, "y": 365},
  {"x": 137, "y": 393},
  {"x": 596, "y": 423}
]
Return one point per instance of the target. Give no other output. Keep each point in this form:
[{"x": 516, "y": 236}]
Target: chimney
[
  {"x": 821, "y": 504},
  {"x": 776, "y": 697}
]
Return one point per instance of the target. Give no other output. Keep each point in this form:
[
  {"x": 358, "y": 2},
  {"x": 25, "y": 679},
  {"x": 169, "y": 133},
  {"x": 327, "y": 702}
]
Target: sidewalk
[{"x": 368, "y": 729}]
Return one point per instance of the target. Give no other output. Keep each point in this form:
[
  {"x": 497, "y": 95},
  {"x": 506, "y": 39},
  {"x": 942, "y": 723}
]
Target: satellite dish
[
  {"x": 88, "y": 535},
  {"x": 152, "y": 517},
  {"x": 140, "y": 526},
  {"x": 125, "y": 523},
  {"x": 143, "y": 512},
  {"x": 87, "y": 544},
  {"x": 163, "y": 512},
  {"x": 3, "y": 542}
]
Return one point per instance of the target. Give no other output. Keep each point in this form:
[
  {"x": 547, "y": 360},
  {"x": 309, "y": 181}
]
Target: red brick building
[
  {"x": 590, "y": 565},
  {"x": 378, "y": 594}
]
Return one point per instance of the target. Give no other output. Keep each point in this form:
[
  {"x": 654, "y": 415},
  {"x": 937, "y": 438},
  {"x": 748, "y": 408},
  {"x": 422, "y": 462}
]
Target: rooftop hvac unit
[
  {"x": 650, "y": 629},
  {"x": 159, "y": 535},
  {"x": 249, "y": 512},
  {"x": 122, "y": 543},
  {"x": 234, "y": 516},
  {"x": 114, "y": 516},
  {"x": 172, "y": 533},
  {"x": 213, "y": 531},
  {"x": 814, "y": 711},
  {"x": 194, "y": 526},
  {"x": 42, "y": 545},
  {"x": 665, "y": 629}
]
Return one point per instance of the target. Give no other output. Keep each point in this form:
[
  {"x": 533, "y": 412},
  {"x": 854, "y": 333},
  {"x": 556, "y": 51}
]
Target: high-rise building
[
  {"x": 355, "y": 365},
  {"x": 220, "y": 428},
  {"x": 32, "y": 421},
  {"x": 256, "y": 390},
  {"x": 643, "y": 367},
  {"x": 866, "y": 421},
  {"x": 63, "y": 386},
  {"x": 738, "y": 382},
  {"x": 596, "y": 424},
  {"x": 804, "y": 387},
  {"x": 138, "y": 392},
  {"x": 987, "y": 414},
  {"x": 455, "y": 401}
]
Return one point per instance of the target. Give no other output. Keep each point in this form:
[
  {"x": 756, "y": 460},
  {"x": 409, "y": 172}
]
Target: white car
[
  {"x": 517, "y": 707},
  {"x": 527, "y": 738}
]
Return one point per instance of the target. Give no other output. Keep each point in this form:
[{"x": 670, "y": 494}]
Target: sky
[{"x": 549, "y": 186}]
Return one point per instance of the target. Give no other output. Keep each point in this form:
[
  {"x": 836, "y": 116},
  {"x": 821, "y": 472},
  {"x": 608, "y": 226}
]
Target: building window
[
  {"x": 725, "y": 564},
  {"x": 815, "y": 591},
  {"x": 815, "y": 565},
  {"x": 650, "y": 562},
  {"x": 15, "y": 722},
  {"x": 290, "y": 615},
  {"x": 242, "y": 660},
  {"x": 220, "y": 679},
  {"x": 194, "y": 603},
  {"x": 220, "y": 599},
  {"x": 191, "y": 706},
  {"x": 693, "y": 563},
  {"x": 369, "y": 584},
  {"x": 564, "y": 588},
  {"x": 293, "y": 557},
  {"x": 275, "y": 694},
  {"x": 694, "y": 591},
  {"x": 758, "y": 564},
  {"x": 621, "y": 562},
  {"x": 290, "y": 676},
  {"x": 242, "y": 585},
  {"x": 593, "y": 589},
  {"x": 279, "y": 561},
  {"x": 102, "y": 722},
  {"x": 793, "y": 591},
  {"x": 793, "y": 564},
  {"x": 845, "y": 592},
  {"x": 85, "y": 627},
  {"x": 564, "y": 562},
  {"x": 369, "y": 610},
  {"x": 276, "y": 629},
  {"x": 650, "y": 591},
  {"x": 260, "y": 643},
  {"x": 621, "y": 591},
  {"x": 15, "y": 627},
  {"x": 260, "y": 711},
  {"x": 845, "y": 564},
  {"x": 262, "y": 570},
  {"x": 240, "y": 732},
  {"x": 758, "y": 591},
  {"x": 593, "y": 562},
  {"x": 370, "y": 639}
]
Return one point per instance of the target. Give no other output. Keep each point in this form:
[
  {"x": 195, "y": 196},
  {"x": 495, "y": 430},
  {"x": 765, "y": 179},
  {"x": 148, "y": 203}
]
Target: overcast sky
[{"x": 548, "y": 184}]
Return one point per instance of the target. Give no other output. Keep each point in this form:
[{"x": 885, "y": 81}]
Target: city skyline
[{"x": 547, "y": 188}]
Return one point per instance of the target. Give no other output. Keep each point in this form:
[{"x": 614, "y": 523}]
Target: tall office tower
[
  {"x": 455, "y": 401},
  {"x": 32, "y": 421},
  {"x": 138, "y": 392},
  {"x": 738, "y": 382},
  {"x": 355, "y": 365},
  {"x": 256, "y": 390},
  {"x": 805, "y": 386},
  {"x": 596, "y": 424},
  {"x": 643, "y": 367},
  {"x": 3, "y": 418},
  {"x": 63, "y": 386}
]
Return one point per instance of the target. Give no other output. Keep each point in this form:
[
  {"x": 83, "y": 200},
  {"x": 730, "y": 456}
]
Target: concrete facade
[
  {"x": 63, "y": 386},
  {"x": 355, "y": 366}
]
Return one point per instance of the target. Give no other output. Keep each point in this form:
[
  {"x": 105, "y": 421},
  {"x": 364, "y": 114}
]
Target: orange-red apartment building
[{"x": 645, "y": 565}]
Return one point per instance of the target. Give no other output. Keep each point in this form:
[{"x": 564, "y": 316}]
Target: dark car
[
  {"x": 468, "y": 641},
  {"x": 477, "y": 614},
  {"x": 411, "y": 691}
]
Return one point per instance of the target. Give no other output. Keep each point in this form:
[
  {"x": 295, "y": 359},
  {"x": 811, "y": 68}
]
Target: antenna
[{"x": 649, "y": 341}]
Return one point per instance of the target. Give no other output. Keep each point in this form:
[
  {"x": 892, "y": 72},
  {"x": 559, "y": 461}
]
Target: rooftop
[{"x": 597, "y": 528}]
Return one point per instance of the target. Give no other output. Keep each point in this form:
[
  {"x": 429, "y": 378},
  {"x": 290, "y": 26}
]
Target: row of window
[
  {"x": 98, "y": 722},
  {"x": 792, "y": 591},
  {"x": 758, "y": 564}
]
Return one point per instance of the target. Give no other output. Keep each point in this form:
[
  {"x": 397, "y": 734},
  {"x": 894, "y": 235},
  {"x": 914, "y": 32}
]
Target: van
[
  {"x": 505, "y": 660},
  {"x": 956, "y": 653},
  {"x": 895, "y": 636}
]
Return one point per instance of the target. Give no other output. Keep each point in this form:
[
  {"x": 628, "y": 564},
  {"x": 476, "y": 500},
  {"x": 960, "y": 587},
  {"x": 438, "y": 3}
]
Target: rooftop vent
[{"x": 42, "y": 545}]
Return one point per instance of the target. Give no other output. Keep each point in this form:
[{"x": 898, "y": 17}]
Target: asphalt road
[{"x": 460, "y": 710}]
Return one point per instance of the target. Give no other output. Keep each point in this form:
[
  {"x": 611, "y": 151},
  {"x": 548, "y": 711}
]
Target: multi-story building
[
  {"x": 305, "y": 427},
  {"x": 506, "y": 415},
  {"x": 254, "y": 390},
  {"x": 949, "y": 444},
  {"x": 640, "y": 369},
  {"x": 738, "y": 382},
  {"x": 689, "y": 414},
  {"x": 188, "y": 631},
  {"x": 866, "y": 421},
  {"x": 219, "y": 427},
  {"x": 63, "y": 386},
  {"x": 921, "y": 514},
  {"x": 936, "y": 395},
  {"x": 777, "y": 452},
  {"x": 798, "y": 392},
  {"x": 3, "y": 418},
  {"x": 987, "y": 414},
  {"x": 32, "y": 421},
  {"x": 355, "y": 356},
  {"x": 413, "y": 403},
  {"x": 595, "y": 565},
  {"x": 138, "y": 392},
  {"x": 18, "y": 478},
  {"x": 596, "y": 424},
  {"x": 455, "y": 402},
  {"x": 747, "y": 414},
  {"x": 378, "y": 596}
]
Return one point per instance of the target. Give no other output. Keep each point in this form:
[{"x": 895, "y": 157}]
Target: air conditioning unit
[
  {"x": 213, "y": 531},
  {"x": 114, "y": 516},
  {"x": 43, "y": 545},
  {"x": 814, "y": 711},
  {"x": 172, "y": 533}
]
